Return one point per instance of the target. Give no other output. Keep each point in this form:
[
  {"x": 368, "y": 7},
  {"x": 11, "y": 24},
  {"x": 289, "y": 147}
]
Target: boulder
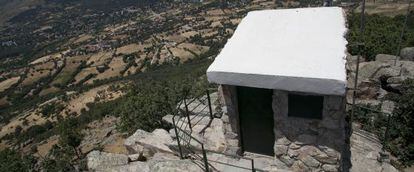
[
  {"x": 163, "y": 135},
  {"x": 387, "y": 106},
  {"x": 407, "y": 53},
  {"x": 97, "y": 160},
  {"x": 214, "y": 136},
  {"x": 407, "y": 69},
  {"x": 368, "y": 69},
  {"x": 136, "y": 157},
  {"x": 168, "y": 119},
  {"x": 157, "y": 141},
  {"x": 385, "y": 58},
  {"x": 368, "y": 90},
  {"x": 175, "y": 166},
  {"x": 396, "y": 80},
  {"x": 131, "y": 167}
]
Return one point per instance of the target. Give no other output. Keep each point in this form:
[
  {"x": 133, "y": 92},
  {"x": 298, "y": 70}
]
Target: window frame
[{"x": 309, "y": 100}]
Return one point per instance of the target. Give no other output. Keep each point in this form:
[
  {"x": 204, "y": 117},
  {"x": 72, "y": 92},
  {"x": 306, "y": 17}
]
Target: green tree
[
  {"x": 59, "y": 159},
  {"x": 12, "y": 161},
  {"x": 62, "y": 156},
  {"x": 401, "y": 133},
  {"x": 381, "y": 34},
  {"x": 145, "y": 105},
  {"x": 70, "y": 134}
]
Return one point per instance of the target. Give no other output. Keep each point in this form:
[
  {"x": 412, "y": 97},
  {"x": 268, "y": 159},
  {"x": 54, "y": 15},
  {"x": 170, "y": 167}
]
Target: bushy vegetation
[
  {"x": 144, "y": 106},
  {"x": 370, "y": 120},
  {"x": 401, "y": 133},
  {"x": 399, "y": 139},
  {"x": 60, "y": 158},
  {"x": 12, "y": 161},
  {"x": 51, "y": 108},
  {"x": 381, "y": 34}
]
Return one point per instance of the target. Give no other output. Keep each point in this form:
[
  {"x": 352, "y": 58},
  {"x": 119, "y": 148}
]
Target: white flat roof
[{"x": 300, "y": 50}]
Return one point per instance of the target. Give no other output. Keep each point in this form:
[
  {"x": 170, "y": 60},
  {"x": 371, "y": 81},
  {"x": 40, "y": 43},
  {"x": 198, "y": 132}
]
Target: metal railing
[
  {"x": 382, "y": 133},
  {"x": 186, "y": 118}
]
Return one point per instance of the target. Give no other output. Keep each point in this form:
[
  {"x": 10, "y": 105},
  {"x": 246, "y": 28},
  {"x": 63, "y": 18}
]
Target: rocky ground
[
  {"x": 157, "y": 150},
  {"x": 378, "y": 78}
]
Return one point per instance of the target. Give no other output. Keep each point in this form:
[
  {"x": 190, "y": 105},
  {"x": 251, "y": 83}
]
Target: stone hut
[{"x": 282, "y": 81}]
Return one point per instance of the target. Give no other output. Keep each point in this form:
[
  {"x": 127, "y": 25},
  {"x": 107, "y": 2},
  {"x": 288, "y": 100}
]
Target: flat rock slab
[
  {"x": 364, "y": 153},
  {"x": 157, "y": 141}
]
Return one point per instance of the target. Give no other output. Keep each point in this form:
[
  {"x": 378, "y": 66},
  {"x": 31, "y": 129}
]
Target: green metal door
[{"x": 256, "y": 120}]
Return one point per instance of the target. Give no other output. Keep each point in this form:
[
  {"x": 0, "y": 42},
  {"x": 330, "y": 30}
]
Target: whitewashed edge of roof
[{"x": 326, "y": 86}]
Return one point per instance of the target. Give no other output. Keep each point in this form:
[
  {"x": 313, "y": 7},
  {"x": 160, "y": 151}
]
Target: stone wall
[
  {"x": 228, "y": 100},
  {"x": 309, "y": 144},
  {"x": 301, "y": 144}
]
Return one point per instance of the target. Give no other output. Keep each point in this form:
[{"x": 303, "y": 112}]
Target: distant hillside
[{"x": 11, "y": 8}]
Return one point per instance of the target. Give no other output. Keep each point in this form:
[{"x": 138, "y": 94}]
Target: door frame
[{"x": 241, "y": 140}]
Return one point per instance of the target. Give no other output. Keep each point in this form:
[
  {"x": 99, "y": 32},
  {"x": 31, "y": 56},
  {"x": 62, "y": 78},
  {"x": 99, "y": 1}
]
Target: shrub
[
  {"x": 381, "y": 34},
  {"x": 401, "y": 132},
  {"x": 144, "y": 106},
  {"x": 11, "y": 161}
]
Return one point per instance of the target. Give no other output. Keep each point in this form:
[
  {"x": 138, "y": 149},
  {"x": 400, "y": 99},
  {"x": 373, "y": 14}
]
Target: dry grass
[
  {"x": 129, "y": 49},
  {"x": 37, "y": 72},
  {"x": 85, "y": 72},
  {"x": 216, "y": 24},
  {"x": 49, "y": 90},
  {"x": 99, "y": 58},
  {"x": 385, "y": 8},
  {"x": 44, "y": 148},
  {"x": 123, "y": 36},
  {"x": 79, "y": 102},
  {"x": 176, "y": 38},
  {"x": 118, "y": 27},
  {"x": 4, "y": 102},
  {"x": 115, "y": 68},
  {"x": 101, "y": 133},
  {"x": 215, "y": 12},
  {"x": 132, "y": 70},
  {"x": 83, "y": 38},
  {"x": 189, "y": 34},
  {"x": 215, "y": 18},
  {"x": 75, "y": 104},
  {"x": 4, "y": 85},
  {"x": 198, "y": 49},
  {"x": 56, "y": 56},
  {"x": 72, "y": 63},
  {"x": 181, "y": 53},
  {"x": 235, "y": 21},
  {"x": 32, "y": 118}
]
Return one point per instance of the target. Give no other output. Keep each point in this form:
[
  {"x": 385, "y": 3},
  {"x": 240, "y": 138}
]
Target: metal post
[
  {"x": 386, "y": 131},
  {"x": 354, "y": 92},
  {"x": 209, "y": 104},
  {"x": 253, "y": 169},
  {"x": 402, "y": 33},
  {"x": 178, "y": 138},
  {"x": 362, "y": 26},
  {"x": 362, "y": 31},
  {"x": 188, "y": 114},
  {"x": 205, "y": 158}
]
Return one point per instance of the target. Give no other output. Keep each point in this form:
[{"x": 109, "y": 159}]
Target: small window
[{"x": 305, "y": 106}]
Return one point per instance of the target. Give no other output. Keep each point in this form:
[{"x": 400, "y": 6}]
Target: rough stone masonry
[{"x": 300, "y": 144}]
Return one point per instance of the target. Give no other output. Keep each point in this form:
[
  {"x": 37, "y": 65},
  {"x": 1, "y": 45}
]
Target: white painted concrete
[{"x": 300, "y": 50}]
